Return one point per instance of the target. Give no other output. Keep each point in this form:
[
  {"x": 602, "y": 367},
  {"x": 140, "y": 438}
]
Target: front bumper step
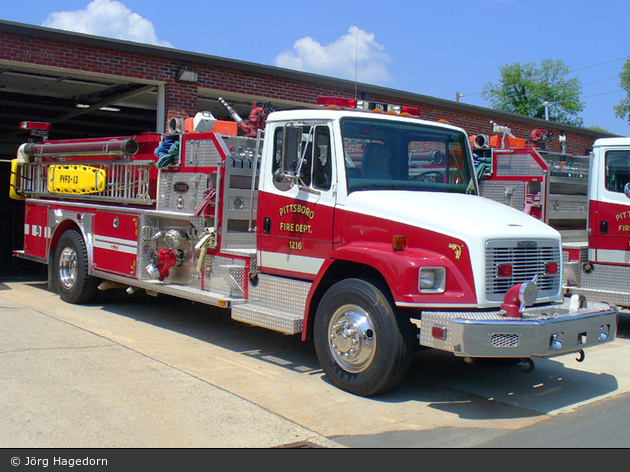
[{"x": 546, "y": 331}]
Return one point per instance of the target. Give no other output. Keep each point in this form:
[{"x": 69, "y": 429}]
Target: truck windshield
[{"x": 391, "y": 155}]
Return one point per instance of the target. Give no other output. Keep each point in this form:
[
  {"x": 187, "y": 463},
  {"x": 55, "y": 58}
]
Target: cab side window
[
  {"x": 617, "y": 170},
  {"x": 277, "y": 149},
  {"x": 305, "y": 153},
  {"x": 322, "y": 167}
]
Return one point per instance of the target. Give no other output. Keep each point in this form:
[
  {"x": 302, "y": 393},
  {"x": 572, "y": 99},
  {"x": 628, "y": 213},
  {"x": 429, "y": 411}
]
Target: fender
[
  {"x": 400, "y": 270},
  {"x": 69, "y": 220},
  {"x": 57, "y": 231},
  {"x": 314, "y": 286}
]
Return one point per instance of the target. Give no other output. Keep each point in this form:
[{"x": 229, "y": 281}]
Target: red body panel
[
  {"x": 614, "y": 219},
  {"x": 617, "y": 218},
  {"x": 115, "y": 243},
  {"x": 362, "y": 234},
  {"x": 294, "y": 227},
  {"x": 366, "y": 240},
  {"x": 573, "y": 254},
  {"x": 36, "y": 234}
]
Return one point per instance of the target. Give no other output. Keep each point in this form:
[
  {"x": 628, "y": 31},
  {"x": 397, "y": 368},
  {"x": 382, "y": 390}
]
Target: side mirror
[
  {"x": 283, "y": 181},
  {"x": 626, "y": 189},
  {"x": 291, "y": 146}
]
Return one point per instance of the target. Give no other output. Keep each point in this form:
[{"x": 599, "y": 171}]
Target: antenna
[{"x": 356, "y": 50}]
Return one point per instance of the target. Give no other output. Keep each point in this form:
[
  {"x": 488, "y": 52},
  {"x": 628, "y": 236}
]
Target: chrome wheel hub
[
  {"x": 351, "y": 338},
  {"x": 68, "y": 267}
]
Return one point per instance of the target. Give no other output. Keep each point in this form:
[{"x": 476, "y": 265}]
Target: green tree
[
  {"x": 623, "y": 109},
  {"x": 599, "y": 129},
  {"x": 537, "y": 91}
]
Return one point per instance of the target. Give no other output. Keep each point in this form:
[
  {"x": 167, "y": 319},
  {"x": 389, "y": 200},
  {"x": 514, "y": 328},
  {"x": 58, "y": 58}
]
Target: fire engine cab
[
  {"x": 356, "y": 225},
  {"x": 601, "y": 266}
]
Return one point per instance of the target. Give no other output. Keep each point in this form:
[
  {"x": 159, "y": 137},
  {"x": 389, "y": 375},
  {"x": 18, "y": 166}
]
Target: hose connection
[{"x": 518, "y": 297}]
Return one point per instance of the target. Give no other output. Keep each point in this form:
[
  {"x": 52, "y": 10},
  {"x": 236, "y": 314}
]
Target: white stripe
[
  {"x": 434, "y": 306},
  {"x": 116, "y": 244},
  {"x": 610, "y": 255},
  {"x": 107, "y": 239},
  {"x": 303, "y": 264},
  {"x": 37, "y": 231}
]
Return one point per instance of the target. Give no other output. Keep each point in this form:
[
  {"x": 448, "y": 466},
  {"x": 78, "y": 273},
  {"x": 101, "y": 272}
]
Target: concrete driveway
[{"x": 137, "y": 371}]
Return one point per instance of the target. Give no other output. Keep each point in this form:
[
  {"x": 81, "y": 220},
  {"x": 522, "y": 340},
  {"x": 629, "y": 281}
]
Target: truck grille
[{"x": 527, "y": 258}]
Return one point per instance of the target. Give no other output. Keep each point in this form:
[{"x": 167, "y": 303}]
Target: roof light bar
[
  {"x": 337, "y": 102},
  {"x": 374, "y": 107},
  {"x": 413, "y": 111}
]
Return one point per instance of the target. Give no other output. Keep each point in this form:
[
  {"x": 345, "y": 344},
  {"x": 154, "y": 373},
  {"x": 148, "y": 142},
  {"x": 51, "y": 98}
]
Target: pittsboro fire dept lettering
[
  {"x": 621, "y": 216},
  {"x": 292, "y": 227},
  {"x": 296, "y": 208},
  {"x": 296, "y": 228}
]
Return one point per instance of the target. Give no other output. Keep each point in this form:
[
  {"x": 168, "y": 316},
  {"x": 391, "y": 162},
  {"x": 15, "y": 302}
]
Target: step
[
  {"x": 275, "y": 303},
  {"x": 262, "y": 316}
]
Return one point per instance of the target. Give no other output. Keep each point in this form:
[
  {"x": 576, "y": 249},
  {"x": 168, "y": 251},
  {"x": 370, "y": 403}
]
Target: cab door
[
  {"x": 609, "y": 212},
  {"x": 296, "y": 200}
]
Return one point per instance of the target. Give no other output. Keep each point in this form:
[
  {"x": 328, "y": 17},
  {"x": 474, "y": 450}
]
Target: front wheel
[
  {"x": 361, "y": 343},
  {"x": 70, "y": 270}
]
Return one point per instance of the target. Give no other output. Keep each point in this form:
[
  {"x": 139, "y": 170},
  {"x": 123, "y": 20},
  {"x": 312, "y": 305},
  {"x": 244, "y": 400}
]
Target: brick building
[{"x": 89, "y": 86}]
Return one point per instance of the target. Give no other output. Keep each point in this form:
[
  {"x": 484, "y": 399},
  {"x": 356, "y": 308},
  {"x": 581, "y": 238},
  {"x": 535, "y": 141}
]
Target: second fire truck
[{"x": 587, "y": 198}]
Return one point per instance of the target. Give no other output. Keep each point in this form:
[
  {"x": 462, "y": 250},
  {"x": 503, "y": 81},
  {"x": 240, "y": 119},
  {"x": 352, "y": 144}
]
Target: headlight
[{"x": 432, "y": 279}]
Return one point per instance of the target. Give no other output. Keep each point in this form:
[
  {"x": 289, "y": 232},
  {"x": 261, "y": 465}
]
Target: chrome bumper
[{"x": 541, "y": 332}]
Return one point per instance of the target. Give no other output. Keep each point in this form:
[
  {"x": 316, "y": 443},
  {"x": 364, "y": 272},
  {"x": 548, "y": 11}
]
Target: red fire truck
[
  {"x": 361, "y": 230},
  {"x": 587, "y": 198}
]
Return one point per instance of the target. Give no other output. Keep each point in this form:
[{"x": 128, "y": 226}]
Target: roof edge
[{"x": 170, "y": 53}]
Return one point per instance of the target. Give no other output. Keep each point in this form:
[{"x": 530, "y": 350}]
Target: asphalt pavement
[
  {"x": 144, "y": 372},
  {"x": 64, "y": 386}
]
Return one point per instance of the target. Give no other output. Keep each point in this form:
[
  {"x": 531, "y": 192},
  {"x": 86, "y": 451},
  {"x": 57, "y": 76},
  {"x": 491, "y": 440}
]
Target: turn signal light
[{"x": 399, "y": 243}]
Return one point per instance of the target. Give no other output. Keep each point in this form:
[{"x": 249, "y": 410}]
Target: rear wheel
[
  {"x": 70, "y": 269},
  {"x": 361, "y": 343}
]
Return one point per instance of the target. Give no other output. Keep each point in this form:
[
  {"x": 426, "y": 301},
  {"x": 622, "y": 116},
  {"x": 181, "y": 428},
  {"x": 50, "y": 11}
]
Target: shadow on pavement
[{"x": 483, "y": 390}]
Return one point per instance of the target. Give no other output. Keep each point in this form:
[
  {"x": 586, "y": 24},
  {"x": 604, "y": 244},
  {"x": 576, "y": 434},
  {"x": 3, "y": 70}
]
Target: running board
[
  {"x": 275, "y": 303},
  {"x": 189, "y": 293},
  {"x": 261, "y": 316}
]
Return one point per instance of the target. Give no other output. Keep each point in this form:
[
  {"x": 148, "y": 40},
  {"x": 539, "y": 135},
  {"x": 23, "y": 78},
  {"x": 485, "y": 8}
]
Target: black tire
[
  {"x": 70, "y": 270},
  {"x": 356, "y": 314}
]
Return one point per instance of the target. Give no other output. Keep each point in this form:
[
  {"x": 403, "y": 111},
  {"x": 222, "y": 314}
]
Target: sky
[{"x": 432, "y": 48}]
